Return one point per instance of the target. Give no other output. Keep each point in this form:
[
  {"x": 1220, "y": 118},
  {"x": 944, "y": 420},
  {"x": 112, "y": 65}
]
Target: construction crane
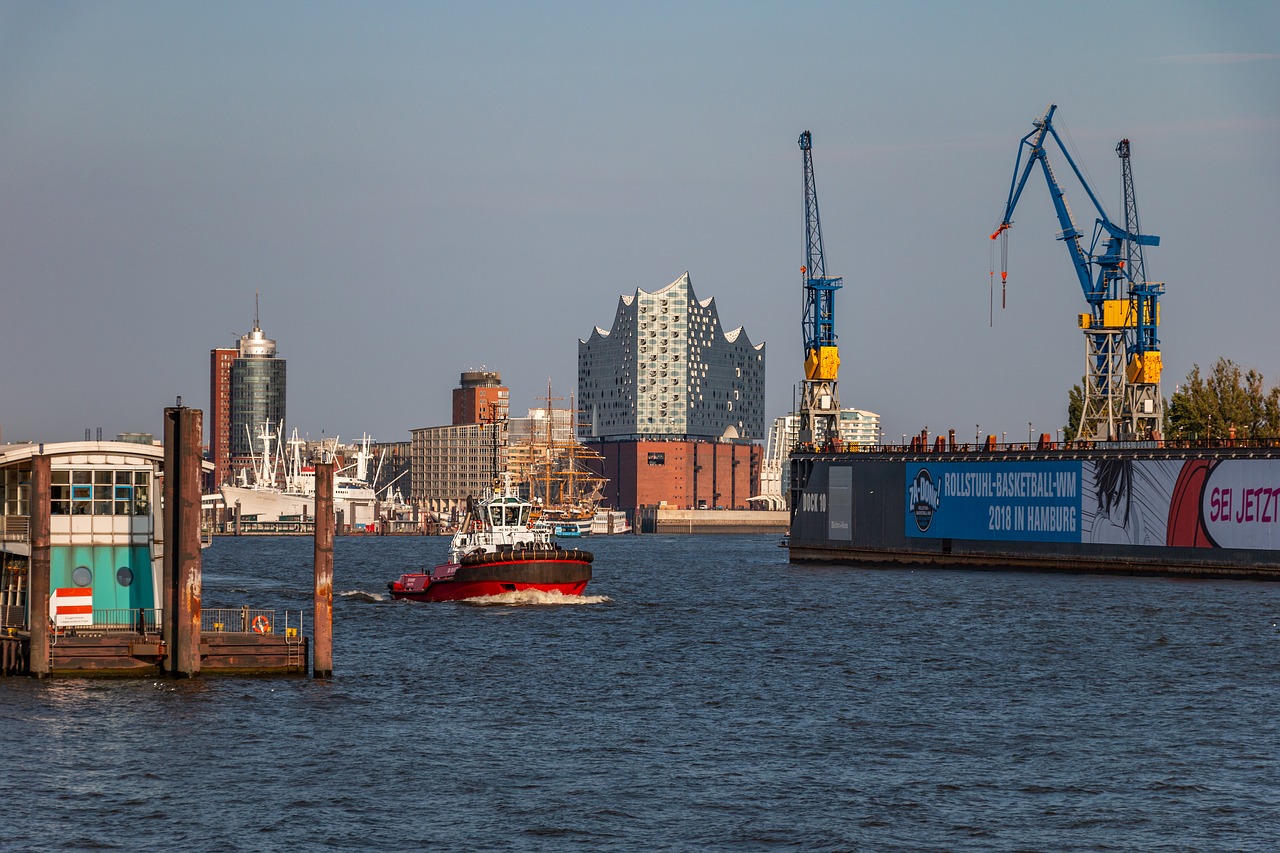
[
  {"x": 819, "y": 399},
  {"x": 1122, "y": 399}
]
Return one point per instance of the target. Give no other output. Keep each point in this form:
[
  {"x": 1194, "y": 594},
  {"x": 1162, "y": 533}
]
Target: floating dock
[{"x": 1132, "y": 508}]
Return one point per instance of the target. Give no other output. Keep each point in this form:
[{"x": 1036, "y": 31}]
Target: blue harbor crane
[
  {"x": 819, "y": 400},
  {"x": 1122, "y": 399}
]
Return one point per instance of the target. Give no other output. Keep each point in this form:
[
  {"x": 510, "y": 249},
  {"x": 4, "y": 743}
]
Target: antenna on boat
[{"x": 493, "y": 421}]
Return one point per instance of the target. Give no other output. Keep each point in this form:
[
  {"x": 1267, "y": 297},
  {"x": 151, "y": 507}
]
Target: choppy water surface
[{"x": 706, "y": 696}]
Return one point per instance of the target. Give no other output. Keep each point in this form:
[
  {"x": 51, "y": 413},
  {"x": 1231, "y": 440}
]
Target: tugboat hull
[{"x": 565, "y": 572}]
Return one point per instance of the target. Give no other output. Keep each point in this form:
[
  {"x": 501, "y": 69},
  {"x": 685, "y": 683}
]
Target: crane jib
[{"x": 1122, "y": 345}]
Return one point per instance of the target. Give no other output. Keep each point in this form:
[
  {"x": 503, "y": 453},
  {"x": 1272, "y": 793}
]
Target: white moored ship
[
  {"x": 283, "y": 488},
  {"x": 607, "y": 521}
]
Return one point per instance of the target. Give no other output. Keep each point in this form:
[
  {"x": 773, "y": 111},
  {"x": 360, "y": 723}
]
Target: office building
[
  {"x": 220, "y": 360},
  {"x": 246, "y": 391},
  {"x": 449, "y": 464},
  {"x": 480, "y": 398}
]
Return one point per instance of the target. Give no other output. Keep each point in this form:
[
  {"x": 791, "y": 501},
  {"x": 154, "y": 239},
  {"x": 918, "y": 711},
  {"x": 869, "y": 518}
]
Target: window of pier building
[
  {"x": 100, "y": 491},
  {"x": 15, "y": 491}
]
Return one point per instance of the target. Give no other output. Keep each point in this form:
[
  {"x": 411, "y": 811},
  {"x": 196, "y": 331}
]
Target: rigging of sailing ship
[{"x": 557, "y": 473}]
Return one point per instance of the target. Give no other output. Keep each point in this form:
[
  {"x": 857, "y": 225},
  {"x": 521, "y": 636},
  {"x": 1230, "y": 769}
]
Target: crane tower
[
  {"x": 1122, "y": 397},
  {"x": 819, "y": 399}
]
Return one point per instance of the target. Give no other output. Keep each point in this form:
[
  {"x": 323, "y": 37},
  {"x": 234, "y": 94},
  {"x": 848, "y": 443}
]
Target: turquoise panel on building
[{"x": 119, "y": 575}]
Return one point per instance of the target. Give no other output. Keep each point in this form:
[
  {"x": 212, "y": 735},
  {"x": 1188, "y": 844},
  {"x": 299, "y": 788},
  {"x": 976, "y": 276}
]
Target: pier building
[
  {"x": 100, "y": 553},
  {"x": 102, "y": 527}
]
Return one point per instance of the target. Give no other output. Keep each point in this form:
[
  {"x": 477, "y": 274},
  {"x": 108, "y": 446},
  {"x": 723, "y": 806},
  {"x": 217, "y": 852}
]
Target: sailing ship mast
[{"x": 550, "y": 455}]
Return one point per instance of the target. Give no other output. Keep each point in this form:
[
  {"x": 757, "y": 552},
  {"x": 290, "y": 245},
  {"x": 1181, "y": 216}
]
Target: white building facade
[
  {"x": 858, "y": 429},
  {"x": 666, "y": 369}
]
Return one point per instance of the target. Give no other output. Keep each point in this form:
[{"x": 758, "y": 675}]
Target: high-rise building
[
  {"x": 666, "y": 369},
  {"x": 246, "y": 391},
  {"x": 220, "y": 360},
  {"x": 480, "y": 398},
  {"x": 449, "y": 464}
]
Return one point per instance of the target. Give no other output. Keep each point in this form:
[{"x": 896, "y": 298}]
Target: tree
[
  {"x": 1075, "y": 408},
  {"x": 1229, "y": 398}
]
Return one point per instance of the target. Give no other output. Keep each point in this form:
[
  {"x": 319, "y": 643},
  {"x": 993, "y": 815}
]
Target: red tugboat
[{"x": 499, "y": 550}]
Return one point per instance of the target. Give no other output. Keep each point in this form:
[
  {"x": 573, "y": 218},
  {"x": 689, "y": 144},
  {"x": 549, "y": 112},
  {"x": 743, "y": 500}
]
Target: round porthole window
[
  {"x": 124, "y": 576},
  {"x": 82, "y": 576}
]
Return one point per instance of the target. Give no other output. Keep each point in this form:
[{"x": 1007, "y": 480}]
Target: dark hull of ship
[{"x": 1153, "y": 510}]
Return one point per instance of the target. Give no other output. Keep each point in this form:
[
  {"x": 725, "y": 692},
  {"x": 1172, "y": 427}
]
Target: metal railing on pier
[
  {"x": 943, "y": 444},
  {"x": 15, "y": 528},
  {"x": 249, "y": 620},
  {"x": 137, "y": 620},
  {"x": 13, "y": 616}
]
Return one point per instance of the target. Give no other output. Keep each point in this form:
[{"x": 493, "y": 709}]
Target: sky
[{"x": 419, "y": 189}]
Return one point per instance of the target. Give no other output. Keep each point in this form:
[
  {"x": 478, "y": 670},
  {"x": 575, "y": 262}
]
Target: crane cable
[
  {"x": 991, "y": 289},
  {"x": 1004, "y": 264},
  {"x": 1003, "y": 233}
]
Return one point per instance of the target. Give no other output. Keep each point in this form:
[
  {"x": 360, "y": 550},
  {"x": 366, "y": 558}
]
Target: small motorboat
[{"x": 498, "y": 550}]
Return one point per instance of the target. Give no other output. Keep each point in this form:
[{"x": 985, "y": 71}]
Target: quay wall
[{"x": 664, "y": 520}]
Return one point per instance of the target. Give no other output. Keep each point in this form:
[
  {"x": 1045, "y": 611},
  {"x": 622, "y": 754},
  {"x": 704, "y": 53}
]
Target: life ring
[{"x": 261, "y": 624}]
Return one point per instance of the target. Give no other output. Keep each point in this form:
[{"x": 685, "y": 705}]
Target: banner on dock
[
  {"x": 1033, "y": 502},
  {"x": 1198, "y": 503}
]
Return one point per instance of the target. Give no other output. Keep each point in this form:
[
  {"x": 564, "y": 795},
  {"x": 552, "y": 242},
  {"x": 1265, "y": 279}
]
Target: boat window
[
  {"x": 524, "y": 516},
  {"x": 495, "y": 515}
]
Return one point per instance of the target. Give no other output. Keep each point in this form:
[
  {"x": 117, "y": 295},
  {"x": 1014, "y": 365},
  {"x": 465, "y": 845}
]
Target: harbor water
[{"x": 706, "y": 695}]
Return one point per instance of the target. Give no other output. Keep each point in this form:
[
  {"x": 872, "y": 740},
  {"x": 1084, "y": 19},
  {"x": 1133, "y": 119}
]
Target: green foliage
[
  {"x": 1075, "y": 408},
  {"x": 1228, "y": 398}
]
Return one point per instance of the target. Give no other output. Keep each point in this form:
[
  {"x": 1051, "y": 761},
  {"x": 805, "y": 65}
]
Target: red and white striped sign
[{"x": 71, "y": 606}]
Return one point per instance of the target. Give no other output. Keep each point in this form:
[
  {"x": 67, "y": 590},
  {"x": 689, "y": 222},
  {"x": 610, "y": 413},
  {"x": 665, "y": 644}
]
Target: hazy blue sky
[{"x": 420, "y": 188}]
